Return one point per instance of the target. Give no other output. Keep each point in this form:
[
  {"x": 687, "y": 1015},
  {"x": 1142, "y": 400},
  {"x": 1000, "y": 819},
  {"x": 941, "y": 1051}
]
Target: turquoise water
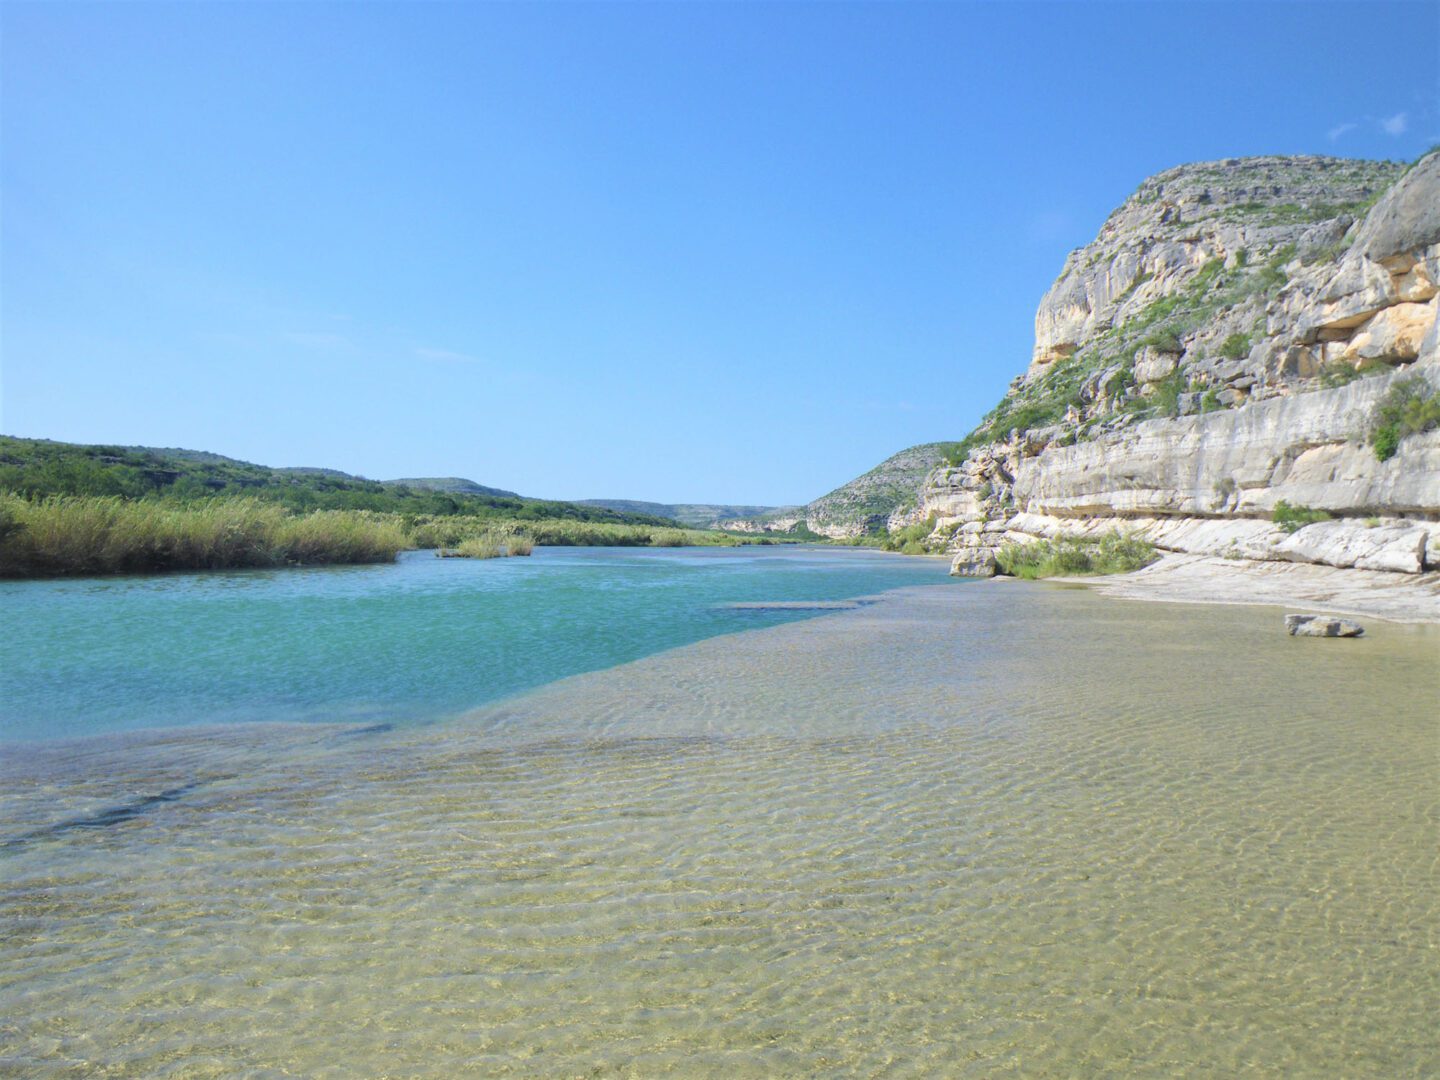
[
  {"x": 1003, "y": 829},
  {"x": 419, "y": 640},
  {"x": 995, "y": 829}
]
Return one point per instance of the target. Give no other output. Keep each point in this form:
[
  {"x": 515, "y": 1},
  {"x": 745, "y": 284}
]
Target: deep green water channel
[{"x": 416, "y": 641}]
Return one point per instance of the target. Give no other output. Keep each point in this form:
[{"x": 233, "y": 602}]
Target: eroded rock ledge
[{"x": 1308, "y": 348}]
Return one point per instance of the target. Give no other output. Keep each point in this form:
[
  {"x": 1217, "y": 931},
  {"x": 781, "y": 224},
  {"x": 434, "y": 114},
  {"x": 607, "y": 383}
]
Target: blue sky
[{"x": 680, "y": 252}]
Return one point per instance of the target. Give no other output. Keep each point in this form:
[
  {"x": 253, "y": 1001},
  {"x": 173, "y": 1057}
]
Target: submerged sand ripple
[{"x": 988, "y": 832}]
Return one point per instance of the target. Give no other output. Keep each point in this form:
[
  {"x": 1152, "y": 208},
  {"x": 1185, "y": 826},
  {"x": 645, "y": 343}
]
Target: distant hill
[
  {"x": 40, "y": 467},
  {"x": 864, "y": 505},
  {"x": 451, "y": 485},
  {"x": 695, "y": 515}
]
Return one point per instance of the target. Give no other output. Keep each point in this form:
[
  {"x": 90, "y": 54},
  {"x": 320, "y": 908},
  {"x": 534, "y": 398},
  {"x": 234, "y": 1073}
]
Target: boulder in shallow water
[{"x": 1321, "y": 626}]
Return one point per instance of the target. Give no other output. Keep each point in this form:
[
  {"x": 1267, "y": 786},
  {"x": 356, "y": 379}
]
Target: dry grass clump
[
  {"x": 491, "y": 544},
  {"x": 82, "y": 534},
  {"x": 478, "y": 547},
  {"x": 110, "y": 534}
]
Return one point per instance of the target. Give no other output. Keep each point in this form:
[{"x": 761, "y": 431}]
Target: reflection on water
[{"x": 1001, "y": 830}]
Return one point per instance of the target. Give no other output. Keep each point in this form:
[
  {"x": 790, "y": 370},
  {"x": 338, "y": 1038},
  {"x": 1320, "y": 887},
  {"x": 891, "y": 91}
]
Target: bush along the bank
[
  {"x": 1410, "y": 406},
  {"x": 911, "y": 539},
  {"x": 1072, "y": 555}
]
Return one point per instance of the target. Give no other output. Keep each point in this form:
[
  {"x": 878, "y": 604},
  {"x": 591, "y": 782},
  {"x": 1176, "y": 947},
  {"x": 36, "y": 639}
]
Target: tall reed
[
  {"x": 480, "y": 547},
  {"x": 102, "y": 534},
  {"x": 492, "y": 544},
  {"x": 77, "y": 534},
  {"x": 450, "y": 531}
]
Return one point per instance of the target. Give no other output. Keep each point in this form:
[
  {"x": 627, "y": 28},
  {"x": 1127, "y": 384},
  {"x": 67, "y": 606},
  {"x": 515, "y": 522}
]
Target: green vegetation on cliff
[
  {"x": 1409, "y": 407},
  {"x": 1293, "y": 518},
  {"x": 1073, "y": 382}
]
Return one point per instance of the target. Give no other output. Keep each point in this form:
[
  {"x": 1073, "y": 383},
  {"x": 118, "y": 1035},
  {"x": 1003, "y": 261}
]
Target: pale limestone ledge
[
  {"x": 1393, "y": 545},
  {"x": 1194, "y": 579},
  {"x": 1307, "y": 449},
  {"x": 1207, "y": 485}
]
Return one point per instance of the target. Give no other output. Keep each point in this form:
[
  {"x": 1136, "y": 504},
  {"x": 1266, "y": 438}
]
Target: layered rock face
[{"x": 1227, "y": 342}]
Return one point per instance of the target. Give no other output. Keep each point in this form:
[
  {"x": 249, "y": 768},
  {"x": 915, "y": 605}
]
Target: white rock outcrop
[
  {"x": 1307, "y": 449},
  {"x": 1268, "y": 384}
]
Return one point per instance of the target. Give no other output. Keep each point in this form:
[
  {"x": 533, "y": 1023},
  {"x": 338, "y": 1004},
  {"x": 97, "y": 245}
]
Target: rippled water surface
[
  {"x": 988, "y": 830},
  {"x": 414, "y": 641}
]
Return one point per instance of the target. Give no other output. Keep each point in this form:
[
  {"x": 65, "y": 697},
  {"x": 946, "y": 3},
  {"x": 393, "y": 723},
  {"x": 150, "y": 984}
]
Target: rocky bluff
[{"x": 1226, "y": 343}]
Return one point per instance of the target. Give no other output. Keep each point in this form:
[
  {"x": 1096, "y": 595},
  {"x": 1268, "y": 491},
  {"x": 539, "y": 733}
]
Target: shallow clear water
[
  {"x": 416, "y": 640},
  {"x": 991, "y": 830}
]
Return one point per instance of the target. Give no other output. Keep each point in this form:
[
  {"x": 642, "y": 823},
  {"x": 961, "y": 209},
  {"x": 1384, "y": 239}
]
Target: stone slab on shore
[{"x": 1197, "y": 579}]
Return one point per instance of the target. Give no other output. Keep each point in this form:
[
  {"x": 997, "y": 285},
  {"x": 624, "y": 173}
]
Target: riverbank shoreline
[{"x": 1203, "y": 579}]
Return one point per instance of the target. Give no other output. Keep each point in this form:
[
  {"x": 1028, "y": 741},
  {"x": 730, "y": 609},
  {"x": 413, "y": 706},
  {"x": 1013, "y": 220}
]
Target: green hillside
[{"x": 36, "y": 468}]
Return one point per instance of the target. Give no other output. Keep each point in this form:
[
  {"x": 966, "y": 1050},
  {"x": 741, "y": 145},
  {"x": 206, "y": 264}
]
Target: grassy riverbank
[
  {"x": 108, "y": 534},
  {"x": 453, "y": 531},
  {"x": 68, "y": 508},
  {"x": 76, "y": 534}
]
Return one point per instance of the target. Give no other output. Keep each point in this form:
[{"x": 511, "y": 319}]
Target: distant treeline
[{"x": 37, "y": 468}]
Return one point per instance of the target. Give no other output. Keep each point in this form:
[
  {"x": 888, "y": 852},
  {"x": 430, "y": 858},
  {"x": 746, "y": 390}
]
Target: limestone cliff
[{"x": 1225, "y": 343}]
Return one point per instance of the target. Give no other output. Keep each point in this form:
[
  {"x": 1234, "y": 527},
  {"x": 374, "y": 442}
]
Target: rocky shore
[
  {"x": 1200, "y": 579},
  {"x": 1243, "y": 368}
]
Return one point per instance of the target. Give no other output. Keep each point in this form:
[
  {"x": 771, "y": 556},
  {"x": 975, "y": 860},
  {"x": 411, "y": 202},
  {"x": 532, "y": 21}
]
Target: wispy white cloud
[
  {"x": 1339, "y": 131},
  {"x": 1395, "y": 125},
  {"x": 446, "y": 356}
]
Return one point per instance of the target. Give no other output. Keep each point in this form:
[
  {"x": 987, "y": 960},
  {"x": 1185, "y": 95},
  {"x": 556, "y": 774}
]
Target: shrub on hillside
[
  {"x": 1408, "y": 407},
  {"x": 1290, "y": 518}
]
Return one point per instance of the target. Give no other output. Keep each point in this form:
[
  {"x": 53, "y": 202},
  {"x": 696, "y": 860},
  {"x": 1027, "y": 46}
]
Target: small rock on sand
[{"x": 1321, "y": 626}]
